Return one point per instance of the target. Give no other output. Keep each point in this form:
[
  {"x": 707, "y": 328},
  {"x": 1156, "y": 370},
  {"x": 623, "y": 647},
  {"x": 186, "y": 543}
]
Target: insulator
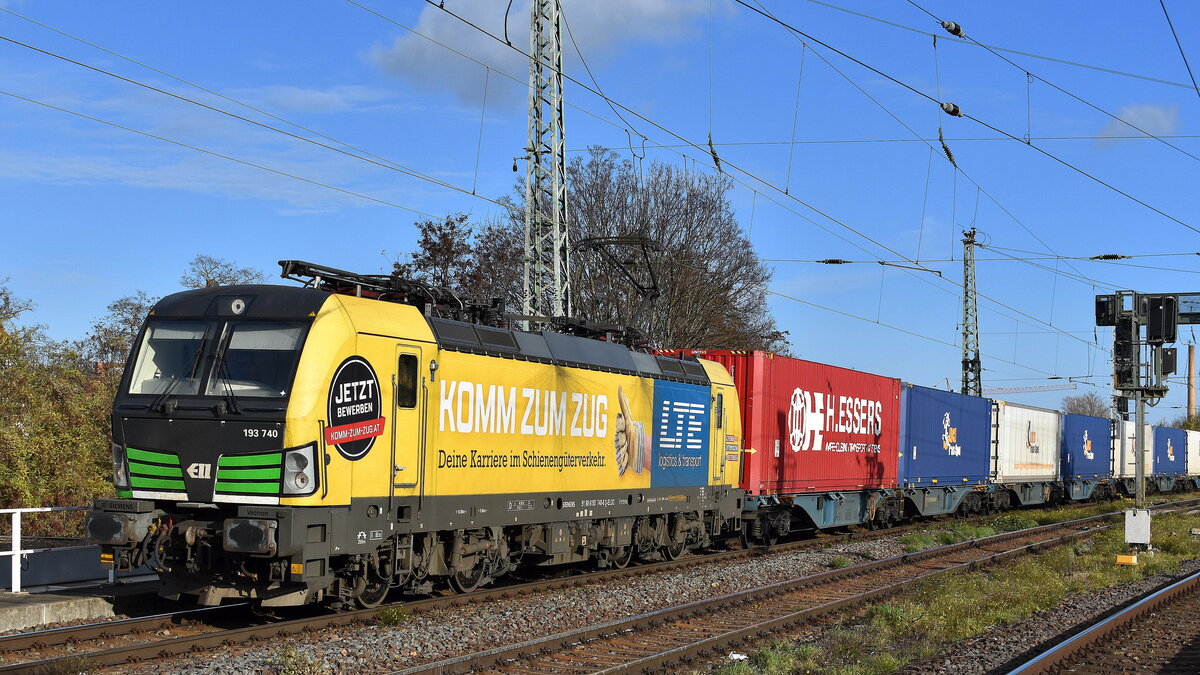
[
  {"x": 952, "y": 28},
  {"x": 1109, "y": 256},
  {"x": 833, "y": 261},
  {"x": 952, "y": 109}
]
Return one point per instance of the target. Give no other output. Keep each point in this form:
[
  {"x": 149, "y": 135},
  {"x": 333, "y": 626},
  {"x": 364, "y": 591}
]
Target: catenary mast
[{"x": 547, "y": 258}]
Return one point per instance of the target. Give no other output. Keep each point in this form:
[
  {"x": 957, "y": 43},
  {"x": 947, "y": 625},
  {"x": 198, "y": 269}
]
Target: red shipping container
[{"x": 810, "y": 427}]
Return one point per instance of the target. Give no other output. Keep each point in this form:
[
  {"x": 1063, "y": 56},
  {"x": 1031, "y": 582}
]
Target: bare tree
[
  {"x": 1183, "y": 422},
  {"x": 111, "y": 338},
  {"x": 443, "y": 252},
  {"x": 495, "y": 267},
  {"x": 205, "y": 270},
  {"x": 1090, "y": 403},
  {"x": 712, "y": 284}
]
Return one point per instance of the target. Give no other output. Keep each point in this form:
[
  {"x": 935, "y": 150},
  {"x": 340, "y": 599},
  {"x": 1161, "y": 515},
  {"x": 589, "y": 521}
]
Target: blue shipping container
[
  {"x": 945, "y": 438},
  {"x": 1086, "y": 447},
  {"x": 1170, "y": 451}
]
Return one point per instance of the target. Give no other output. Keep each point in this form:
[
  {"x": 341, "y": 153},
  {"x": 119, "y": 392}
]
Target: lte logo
[
  {"x": 1170, "y": 451},
  {"x": 198, "y": 470},
  {"x": 1087, "y": 446}
]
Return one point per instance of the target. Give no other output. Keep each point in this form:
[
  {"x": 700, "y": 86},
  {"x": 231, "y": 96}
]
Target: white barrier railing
[{"x": 18, "y": 554}]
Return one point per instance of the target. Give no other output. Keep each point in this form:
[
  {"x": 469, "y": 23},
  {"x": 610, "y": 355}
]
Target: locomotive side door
[
  {"x": 716, "y": 450},
  {"x": 408, "y": 436}
]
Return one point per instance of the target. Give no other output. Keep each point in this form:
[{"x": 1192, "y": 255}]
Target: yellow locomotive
[{"x": 331, "y": 442}]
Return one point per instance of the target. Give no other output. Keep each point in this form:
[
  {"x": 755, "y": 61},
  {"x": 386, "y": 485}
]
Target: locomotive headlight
[
  {"x": 120, "y": 467},
  {"x": 299, "y": 471}
]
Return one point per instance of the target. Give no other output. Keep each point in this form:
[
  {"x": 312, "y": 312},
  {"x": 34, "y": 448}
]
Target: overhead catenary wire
[
  {"x": 218, "y": 154},
  {"x": 695, "y": 145},
  {"x": 1043, "y": 57},
  {"x": 957, "y": 169},
  {"x": 1060, "y": 89},
  {"x": 754, "y": 177},
  {"x": 1104, "y": 257},
  {"x": 898, "y": 329},
  {"x": 918, "y": 139},
  {"x": 964, "y": 115},
  {"x": 1178, "y": 44},
  {"x": 385, "y": 164}
]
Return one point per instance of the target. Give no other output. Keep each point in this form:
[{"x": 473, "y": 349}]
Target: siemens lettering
[{"x": 469, "y": 407}]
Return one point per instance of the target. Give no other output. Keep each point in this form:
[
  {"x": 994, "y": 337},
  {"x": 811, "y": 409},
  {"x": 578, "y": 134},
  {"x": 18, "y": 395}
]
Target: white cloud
[
  {"x": 1159, "y": 120},
  {"x": 287, "y": 99},
  {"x": 599, "y": 28}
]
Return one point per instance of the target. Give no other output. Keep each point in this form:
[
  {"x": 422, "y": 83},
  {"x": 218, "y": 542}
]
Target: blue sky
[{"x": 93, "y": 212}]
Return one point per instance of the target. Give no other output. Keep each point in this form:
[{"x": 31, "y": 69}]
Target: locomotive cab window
[
  {"x": 258, "y": 359},
  {"x": 720, "y": 410},
  {"x": 170, "y": 358},
  {"x": 406, "y": 381}
]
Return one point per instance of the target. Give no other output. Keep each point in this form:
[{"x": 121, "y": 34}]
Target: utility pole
[
  {"x": 972, "y": 369},
  {"x": 547, "y": 259}
]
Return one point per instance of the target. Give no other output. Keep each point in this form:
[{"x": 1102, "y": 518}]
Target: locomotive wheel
[
  {"x": 372, "y": 594},
  {"x": 674, "y": 552},
  {"x": 465, "y": 582}
]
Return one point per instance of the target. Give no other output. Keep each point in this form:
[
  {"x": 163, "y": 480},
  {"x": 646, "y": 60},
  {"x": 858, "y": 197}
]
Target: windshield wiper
[
  {"x": 224, "y": 375},
  {"x": 161, "y": 400}
]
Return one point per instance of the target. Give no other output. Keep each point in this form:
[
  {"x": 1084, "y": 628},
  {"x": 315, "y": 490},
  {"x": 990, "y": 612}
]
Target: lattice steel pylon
[
  {"x": 972, "y": 380},
  {"x": 547, "y": 258}
]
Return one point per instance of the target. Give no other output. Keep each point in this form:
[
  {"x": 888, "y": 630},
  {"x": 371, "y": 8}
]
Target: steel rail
[
  {"x": 511, "y": 655},
  {"x": 106, "y": 629},
  {"x": 59, "y": 636},
  {"x": 179, "y": 645},
  {"x": 732, "y": 603},
  {"x": 1061, "y": 655}
]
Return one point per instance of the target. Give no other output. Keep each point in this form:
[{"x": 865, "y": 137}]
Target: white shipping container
[
  {"x": 1025, "y": 443},
  {"x": 1193, "y": 453},
  {"x": 1125, "y": 451}
]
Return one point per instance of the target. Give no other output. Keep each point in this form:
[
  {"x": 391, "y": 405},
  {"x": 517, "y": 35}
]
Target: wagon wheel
[
  {"x": 371, "y": 593},
  {"x": 622, "y": 555}
]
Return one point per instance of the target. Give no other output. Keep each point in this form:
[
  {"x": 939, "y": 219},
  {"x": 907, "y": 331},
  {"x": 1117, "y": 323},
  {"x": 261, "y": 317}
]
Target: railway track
[
  {"x": 161, "y": 636},
  {"x": 663, "y": 640},
  {"x": 1158, "y": 634}
]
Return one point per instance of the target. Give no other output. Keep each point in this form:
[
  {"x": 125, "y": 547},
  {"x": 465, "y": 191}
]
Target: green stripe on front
[
  {"x": 249, "y": 474},
  {"x": 256, "y": 488},
  {"x": 147, "y": 456},
  {"x": 161, "y": 483},
  {"x": 155, "y": 470},
  {"x": 272, "y": 459}
]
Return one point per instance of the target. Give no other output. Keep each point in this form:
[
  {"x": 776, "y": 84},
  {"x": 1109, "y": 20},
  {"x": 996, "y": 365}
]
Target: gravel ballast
[{"x": 445, "y": 633}]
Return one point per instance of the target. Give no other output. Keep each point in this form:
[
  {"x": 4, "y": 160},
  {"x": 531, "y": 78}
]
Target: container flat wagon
[
  {"x": 945, "y": 451},
  {"x": 1025, "y": 456},
  {"x": 1086, "y": 457},
  {"x": 1170, "y": 457},
  {"x": 822, "y": 443}
]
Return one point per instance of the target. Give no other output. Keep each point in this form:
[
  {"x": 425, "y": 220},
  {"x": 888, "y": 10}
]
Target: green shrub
[
  {"x": 1012, "y": 523},
  {"x": 917, "y": 541},
  {"x": 393, "y": 616},
  {"x": 839, "y": 562},
  {"x": 288, "y": 660}
]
